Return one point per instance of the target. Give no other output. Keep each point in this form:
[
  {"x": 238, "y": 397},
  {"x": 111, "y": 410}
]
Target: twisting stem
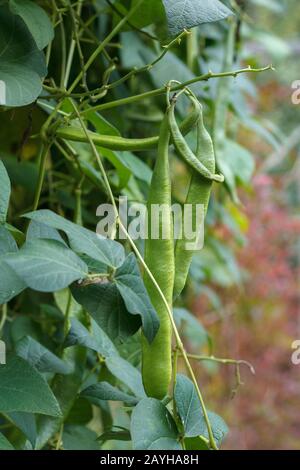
[
  {"x": 223, "y": 361},
  {"x": 162, "y": 90}
]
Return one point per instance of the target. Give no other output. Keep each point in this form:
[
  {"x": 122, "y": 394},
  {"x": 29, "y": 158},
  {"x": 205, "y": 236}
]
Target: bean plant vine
[{"x": 73, "y": 304}]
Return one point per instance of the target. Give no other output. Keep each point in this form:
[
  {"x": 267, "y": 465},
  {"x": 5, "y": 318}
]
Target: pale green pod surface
[
  {"x": 159, "y": 257},
  {"x": 184, "y": 150},
  {"x": 198, "y": 193},
  {"x": 76, "y": 134}
]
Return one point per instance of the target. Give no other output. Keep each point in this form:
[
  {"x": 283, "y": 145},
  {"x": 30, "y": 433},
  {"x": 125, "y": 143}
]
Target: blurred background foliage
[{"x": 259, "y": 299}]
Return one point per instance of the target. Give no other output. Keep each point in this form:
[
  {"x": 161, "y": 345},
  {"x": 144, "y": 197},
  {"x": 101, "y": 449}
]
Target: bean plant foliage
[{"x": 82, "y": 78}]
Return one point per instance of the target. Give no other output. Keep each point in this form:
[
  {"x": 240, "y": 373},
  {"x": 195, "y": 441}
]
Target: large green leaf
[
  {"x": 10, "y": 284},
  {"x": 105, "y": 391},
  {"x": 126, "y": 373},
  {"x": 152, "y": 427},
  {"x": 5, "y": 444},
  {"x": 186, "y": 14},
  {"x": 26, "y": 423},
  {"x": 22, "y": 388},
  {"x": 79, "y": 438},
  {"x": 4, "y": 193},
  {"x": 39, "y": 230},
  {"x": 66, "y": 389},
  {"x": 97, "y": 341},
  {"x": 36, "y": 20},
  {"x": 22, "y": 65},
  {"x": 83, "y": 240},
  {"x": 104, "y": 303},
  {"x": 40, "y": 357},
  {"x": 47, "y": 265},
  {"x": 7, "y": 242},
  {"x": 191, "y": 413},
  {"x": 131, "y": 287}
]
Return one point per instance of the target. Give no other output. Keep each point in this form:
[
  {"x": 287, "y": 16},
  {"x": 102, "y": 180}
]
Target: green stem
[
  {"x": 67, "y": 315},
  {"x": 222, "y": 361},
  {"x": 63, "y": 49},
  {"x": 192, "y": 49},
  {"x": 162, "y": 90},
  {"x": 103, "y": 44},
  {"x": 42, "y": 168},
  {"x": 73, "y": 42},
  {"x": 3, "y": 318}
]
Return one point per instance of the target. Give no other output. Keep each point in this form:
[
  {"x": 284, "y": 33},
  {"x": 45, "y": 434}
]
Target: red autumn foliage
[{"x": 259, "y": 324}]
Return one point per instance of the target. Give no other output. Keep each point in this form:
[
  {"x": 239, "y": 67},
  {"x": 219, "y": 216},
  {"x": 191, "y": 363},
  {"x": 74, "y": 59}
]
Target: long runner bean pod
[
  {"x": 183, "y": 148},
  {"x": 121, "y": 143},
  {"x": 198, "y": 194},
  {"x": 159, "y": 257}
]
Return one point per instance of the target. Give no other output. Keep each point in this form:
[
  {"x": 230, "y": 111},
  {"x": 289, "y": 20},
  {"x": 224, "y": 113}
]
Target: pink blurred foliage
[{"x": 259, "y": 323}]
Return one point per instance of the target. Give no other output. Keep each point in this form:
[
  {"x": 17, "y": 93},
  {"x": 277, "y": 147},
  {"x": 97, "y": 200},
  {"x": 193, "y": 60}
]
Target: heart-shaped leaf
[
  {"x": 22, "y": 388},
  {"x": 22, "y": 64},
  {"x": 36, "y": 20}
]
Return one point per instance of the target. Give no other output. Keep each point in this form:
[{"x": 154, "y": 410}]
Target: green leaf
[
  {"x": 101, "y": 125},
  {"x": 81, "y": 412},
  {"x": 105, "y": 391},
  {"x": 22, "y": 173},
  {"x": 126, "y": 373},
  {"x": 148, "y": 13},
  {"x": 47, "y": 265},
  {"x": 26, "y": 423},
  {"x": 186, "y": 14},
  {"x": 79, "y": 438},
  {"x": 7, "y": 242},
  {"x": 10, "y": 284},
  {"x": 97, "y": 341},
  {"x": 191, "y": 413},
  {"x": 195, "y": 443},
  {"x": 115, "y": 159},
  {"x": 239, "y": 160},
  {"x": 22, "y": 64},
  {"x": 40, "y": 357},
  {"x": 66, "y": 389},
  {"x": 117, "y": 433},
  {"x": 131, "y": 287},
  {"x": 191, "y": 327},
  {"x": 36, "y": 20},
  {"x": 5, "y": 444},
  {"x": 83, "y": 240},
  {"x": 22, "y": 388},
  {"x": 137, "y": 167},
  {"x": 5, "y": 192},
  {"x": 152, "y": 427},
  {"x": 39, "y": 230},
  {"x": 105, "y": 304}
]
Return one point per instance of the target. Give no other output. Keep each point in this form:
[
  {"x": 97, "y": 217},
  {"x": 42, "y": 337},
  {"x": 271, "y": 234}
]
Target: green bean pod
[
  {"x": 76, "y": 134},
  {"x": 198, "y": 194},
  {"x": 159, "y": 257},
  {"x": 184, "y": 150}
]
